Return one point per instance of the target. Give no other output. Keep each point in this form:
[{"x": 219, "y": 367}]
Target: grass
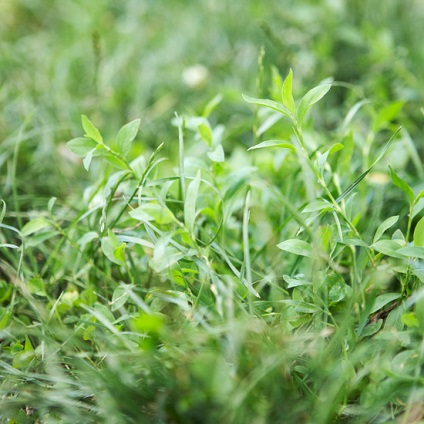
[{"x": 251, "y": 260}]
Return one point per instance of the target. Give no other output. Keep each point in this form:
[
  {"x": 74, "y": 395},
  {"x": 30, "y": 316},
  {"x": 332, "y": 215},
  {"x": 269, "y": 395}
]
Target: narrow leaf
[
  {"x": 268, "y": 103},
  {"x": 287, "y": 95},
  {"x": 273, "y": 143},
  {"x": 385, "y": 225},
  {"x": 310, "y": 98},
  {"x": 3, "y": 210},
  {"x": 206, "y": 133},
  {"x": 398, "y": 182},
  {"x": 90, "y": 130},
  {"x": 419, "y": 233},
  {"x": 412, "y": 251},
  {"x": 298, "y": 247},
  {"x": 364, "y": 174},
  {"x": 190, "y": 203}
]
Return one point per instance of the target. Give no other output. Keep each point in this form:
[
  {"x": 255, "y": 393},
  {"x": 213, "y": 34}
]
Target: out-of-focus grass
[{"x": 151, "y": 290}]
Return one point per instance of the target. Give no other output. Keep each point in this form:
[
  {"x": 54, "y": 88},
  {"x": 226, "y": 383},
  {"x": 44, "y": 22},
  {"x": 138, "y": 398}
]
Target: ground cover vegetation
[{"x": 211, "y": 211}]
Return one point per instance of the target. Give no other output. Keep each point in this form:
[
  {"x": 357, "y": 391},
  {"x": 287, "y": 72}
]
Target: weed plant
[{"x": 259, "y": 269}]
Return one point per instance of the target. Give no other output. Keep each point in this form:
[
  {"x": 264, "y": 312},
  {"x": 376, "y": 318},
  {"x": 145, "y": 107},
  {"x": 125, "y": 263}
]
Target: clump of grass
[{"x": 217, "y": 287}]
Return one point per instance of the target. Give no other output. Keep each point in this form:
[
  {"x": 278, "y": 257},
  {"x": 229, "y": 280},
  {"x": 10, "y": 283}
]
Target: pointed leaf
[
  {"x": 268, "y": 103},
  {"x": 206, "y": 133},
  {"x": 34, "y": 225},
  {"x": 273, "y": 143},
  {"x": 364, "y": 174},
  {"x": 419, "y": 233},
  {"x": 311, "y": 97},
  {"x": 119, "y": 298},
  {"x": 385, "y": 225},
  {"x": 412, "y": 251},
  {"x": 383, "y": 300},
  {"x": 87, "y": 160},
  {"x": 287, "y": 96},
  {"x": 126, "y": 135},
  {"x": 398, "y": 182},
  {"x": 298, "y": 247},
  {"x": 90, "y": 130},
  {"x": 190, "y": 203}
]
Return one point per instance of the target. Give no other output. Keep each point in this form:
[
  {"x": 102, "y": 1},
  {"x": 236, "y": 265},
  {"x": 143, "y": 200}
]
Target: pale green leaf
[
  {"x": 205, "y": 133},
  {"x": 153, "y": 212},
  {"x": 81, "y": 146},
  {"x": 34, "y": 225},
  {"x": 190, "y": 203},
  {"x": 412, "y": 251},
  {"x": 126, "y": 135},
  {"x": 385, "y": 225},
  {"x": 298, "y": 247},
  {"x": 119, "y": 298},
  {"x": 287, "y": 95},
  {"x": 398, "y": 182},
  {"x": 268, "y": 103},
  {"x": 365, "y": 173},
  {"x": 273, "y": 143},
  {"x": 310, "y": 98},
  {"x": 217, "y": 155},
  {"x": 383, "y": 300},
  {"x": 388, "y": 247},
  {"x": 90, "y": 130},
  {"x": 419, "y": 233}
]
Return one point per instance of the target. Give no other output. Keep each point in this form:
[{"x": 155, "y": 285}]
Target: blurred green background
[{"x": 117, "y": 61}]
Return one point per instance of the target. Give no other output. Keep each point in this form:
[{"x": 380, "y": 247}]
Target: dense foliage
[{"x": 211, "y": 211}]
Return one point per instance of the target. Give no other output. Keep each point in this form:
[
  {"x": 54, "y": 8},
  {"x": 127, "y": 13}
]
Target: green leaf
[
  {"x": 205, "y": 133},
  {"x": 386, "y": 115},
  {"x": 295, "y": 282},
  {"x": 419, "y": 233},
  {"x": 50, "y": 204},
  {"x": 364, "y": 174},
  {"x": 153, "y": 212},
  {"x": 310, "y": 98},
  {"x": 115, "y": 161},
  {"x": 126, "y": 135},
  {"x": 317, "y": 205},
  {"x": 217, "y": 155},
  {"x": 90, "y": 130},
  {"x": 287, "y": 95},
  {"x": 273, "y": 143},
  {"x": 119, "y": 298},
  {"x": 88, "y": 158},
  {"x": 385, "y": 225},
  {"x": 36, "y": 286},
  {"x": 268, "y": 103},
  {"x": 34, "y": 225},
  {"x": 190, "y": 203},
  {"x": 388, "y": 248},
  {"x": 398, "y": 182},
  {"x": 298, "y": 247},
  {"x": 3, "y": 210},
  {"x": 372, "y": 328},
  {"x": 383, "y": 300},
  {"x": 412, "y": 252},
  {"x": 113, "y": 249},
  {"x": 81, "y": 146},
  {"x": 212, "y": 104}
]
